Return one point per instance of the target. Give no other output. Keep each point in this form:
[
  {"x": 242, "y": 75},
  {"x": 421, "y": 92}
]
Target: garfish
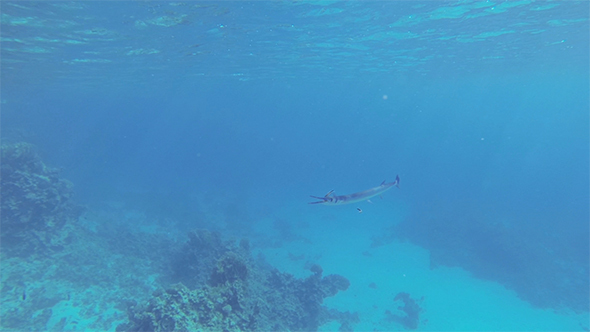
[{"x": 331, "y": 199}]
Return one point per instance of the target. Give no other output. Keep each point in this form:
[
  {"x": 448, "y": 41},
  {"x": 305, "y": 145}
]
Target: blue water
[{"x": 225, "y": 114}]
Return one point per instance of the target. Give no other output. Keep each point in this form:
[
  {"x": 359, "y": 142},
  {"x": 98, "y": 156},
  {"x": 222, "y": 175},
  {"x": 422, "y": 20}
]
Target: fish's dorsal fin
[
  {"x": 383, "y": 183},
  {"x": 329, "y": 193}
]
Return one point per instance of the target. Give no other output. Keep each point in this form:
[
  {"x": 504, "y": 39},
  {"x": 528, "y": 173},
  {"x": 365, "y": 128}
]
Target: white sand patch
[{"x": 453, "y": 299}]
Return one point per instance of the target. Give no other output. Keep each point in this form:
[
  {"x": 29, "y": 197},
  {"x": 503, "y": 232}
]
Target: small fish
[
  {"x": 24, "y": 295},
  {"x": 359, "y": 210}
]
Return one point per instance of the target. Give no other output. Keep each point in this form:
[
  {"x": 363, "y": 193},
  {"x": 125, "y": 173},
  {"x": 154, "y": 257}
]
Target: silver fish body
[{"x": 331, "y": 199}]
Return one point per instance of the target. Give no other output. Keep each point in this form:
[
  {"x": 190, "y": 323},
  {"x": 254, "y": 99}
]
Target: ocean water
[{"x": 225, "y": 116}]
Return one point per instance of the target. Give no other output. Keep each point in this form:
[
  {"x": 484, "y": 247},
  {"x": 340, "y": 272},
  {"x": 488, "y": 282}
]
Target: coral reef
[
  {"x": 213, "y": 283},
  {"x": 36, "y": 203},
  {"x": 411, "y": 309},
  {"x": 84, "y": 286},
  {"x": 194, "y": 263},
  {"x": 180, "y": 309},
  {"x": 237, "y": 295}
]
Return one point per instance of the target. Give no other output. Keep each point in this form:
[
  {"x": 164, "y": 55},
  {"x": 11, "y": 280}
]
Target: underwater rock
[
  {"x": 304, "y": 297},
  {"x": 347, "y": 319},
  {"x": 175, "y": 309},
  {"x": 316, "y": 269},
  {"x": 411, "y": 309},
  {"x": 35, "y": 204},
  {"x": 193, "y": 265},
  {"x": 334, "y": 283},
  {"x": 239, "y": 294},
  {"x": 229, "y": 269}
]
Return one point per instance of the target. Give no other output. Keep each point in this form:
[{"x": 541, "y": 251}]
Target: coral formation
[
  {"x": 411, "y": 309},
  {"x": 229, "y": 268},
  {"x": 36, "y": 203},
  {"x": 238, "y": 295},
  {"x": 192, "y": 265},
  {"x": 214, "y": 283}
]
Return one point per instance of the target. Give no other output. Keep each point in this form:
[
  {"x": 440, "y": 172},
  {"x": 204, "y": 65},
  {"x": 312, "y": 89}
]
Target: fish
[{"x": 331, "y": 199}]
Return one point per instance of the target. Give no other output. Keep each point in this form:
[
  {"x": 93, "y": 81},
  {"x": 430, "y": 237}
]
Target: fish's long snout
[{"x": 322, "y": 200}]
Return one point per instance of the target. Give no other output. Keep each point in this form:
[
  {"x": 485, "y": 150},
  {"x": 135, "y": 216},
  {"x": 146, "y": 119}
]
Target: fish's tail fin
[{"x": 396, "y": 181}]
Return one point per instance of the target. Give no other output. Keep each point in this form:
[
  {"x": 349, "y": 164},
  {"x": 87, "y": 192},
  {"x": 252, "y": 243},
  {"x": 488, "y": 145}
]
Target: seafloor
[{"x": 115, "y": 267}]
